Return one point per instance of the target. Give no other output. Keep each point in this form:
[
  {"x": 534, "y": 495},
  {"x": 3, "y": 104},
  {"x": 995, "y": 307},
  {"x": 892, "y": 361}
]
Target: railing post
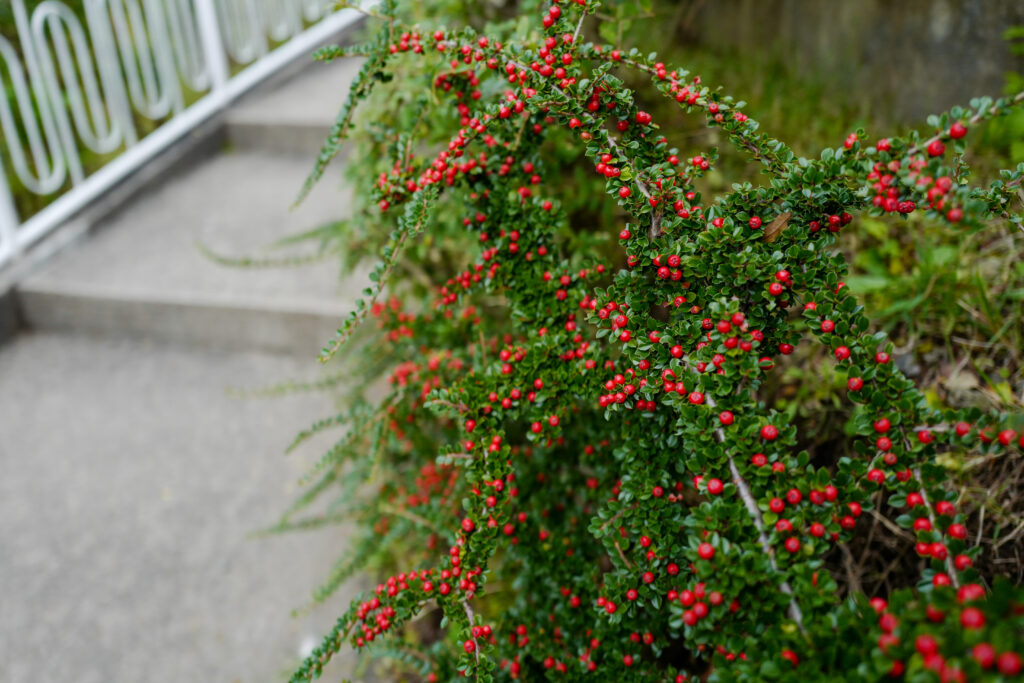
[
  {"x": 213, "y": 48},
  {"x": 8, "y": 221}
]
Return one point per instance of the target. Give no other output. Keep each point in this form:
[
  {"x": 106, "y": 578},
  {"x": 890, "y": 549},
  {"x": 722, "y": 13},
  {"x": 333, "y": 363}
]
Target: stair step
[
  {"x": 205, "y": 322},
  {"x": 132, "y": 482},
  {"x": 142, "y": 274},
  {"x": 297, "y": 115}
]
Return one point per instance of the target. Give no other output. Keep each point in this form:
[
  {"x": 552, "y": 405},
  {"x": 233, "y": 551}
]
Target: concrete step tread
[
  {"x": 297, "y": 115},
  {"x": 132, "y": 481},
  {"x": 236, "y": 205},
  {"x": 282, "y": 304},
  {"x": 147, "y": 254},
  {"x": 312, "y": 97}
]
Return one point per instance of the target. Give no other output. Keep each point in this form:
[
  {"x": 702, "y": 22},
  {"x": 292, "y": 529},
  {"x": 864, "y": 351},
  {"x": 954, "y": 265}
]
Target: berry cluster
[{"x": 587, "y": 422}]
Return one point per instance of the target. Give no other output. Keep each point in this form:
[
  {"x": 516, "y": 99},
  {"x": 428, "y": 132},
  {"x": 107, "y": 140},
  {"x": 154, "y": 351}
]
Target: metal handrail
[{"x": 81, "y": 87}]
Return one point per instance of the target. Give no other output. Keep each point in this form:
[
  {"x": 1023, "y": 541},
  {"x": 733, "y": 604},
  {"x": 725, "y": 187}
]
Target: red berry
[
  {"x": 936, "y": 148},
  {"x": 972, "y": 618},
  {"x": 1009, "y": 663},
  {"x": 957, "y": 130},
  {"x": 706, "y": 551},
  {"x": 984, "y": 654},
  {"x": 926, "y": 645}
]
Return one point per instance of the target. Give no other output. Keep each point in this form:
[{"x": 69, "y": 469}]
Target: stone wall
[{"x": 909, "y": 57}]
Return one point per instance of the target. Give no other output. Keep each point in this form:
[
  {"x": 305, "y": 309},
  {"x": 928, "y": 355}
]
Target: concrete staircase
[{"x": 131, "y": 479}]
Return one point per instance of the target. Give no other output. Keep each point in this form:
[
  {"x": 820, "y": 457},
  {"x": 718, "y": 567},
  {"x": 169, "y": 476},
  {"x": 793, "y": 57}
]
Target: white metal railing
[{"x": 66, "y": 87}]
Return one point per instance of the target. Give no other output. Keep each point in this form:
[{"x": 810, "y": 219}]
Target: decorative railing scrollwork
[{"x": 72, "y": 86}]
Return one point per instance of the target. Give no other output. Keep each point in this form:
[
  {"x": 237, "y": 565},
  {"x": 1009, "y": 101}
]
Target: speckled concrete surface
[{"x": 130, "y": 484}]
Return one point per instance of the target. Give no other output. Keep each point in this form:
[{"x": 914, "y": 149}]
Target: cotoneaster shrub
[{"x": 575, "y": 460}]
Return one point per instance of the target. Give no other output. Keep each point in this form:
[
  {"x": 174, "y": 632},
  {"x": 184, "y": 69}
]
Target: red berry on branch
[
  {"x": 1009, "y": 663},
  {"x": 972, "y": 618},
  {"x": 984, "y": 654}
]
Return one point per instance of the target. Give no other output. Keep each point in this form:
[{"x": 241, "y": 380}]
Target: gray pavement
[
  {"x": 130, "y": 480},
  {"x": 130, "y": 483}
]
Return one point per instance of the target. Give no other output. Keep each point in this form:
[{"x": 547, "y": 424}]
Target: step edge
[{"x": 36, "y": 286}]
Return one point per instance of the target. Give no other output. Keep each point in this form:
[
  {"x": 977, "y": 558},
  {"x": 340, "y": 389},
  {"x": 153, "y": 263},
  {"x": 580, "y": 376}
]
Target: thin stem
[
  {"x": 616, "y": 516},
  {"x": 748, "y": 500},
  {"x": 472, "y": 618},
  {"x": 950, "y": 567},
  {"x": 984, "y": 113},
  {"x": 762, "y": 535},
  {"x": 411, "y": 516},
  {"x": 459, "y": 407},
  {"x": 852, "y": 580},
  {"x": 579, "y": 27},
  {"x": 622, "y": 555}
]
